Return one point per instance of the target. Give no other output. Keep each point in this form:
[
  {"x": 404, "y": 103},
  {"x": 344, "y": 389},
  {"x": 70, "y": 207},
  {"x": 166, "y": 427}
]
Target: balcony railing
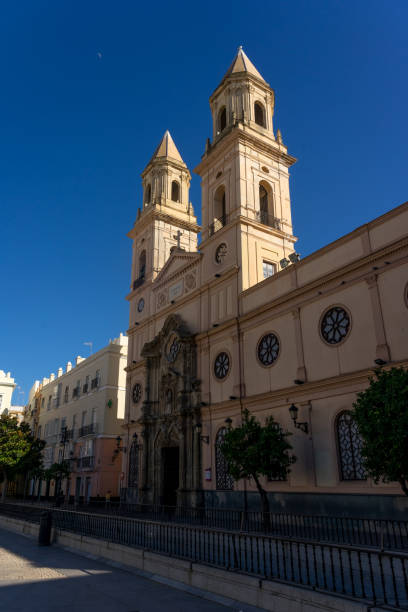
[
  {"x": 87, "y": 430},
  {"x": 66, "y": 434},
  {"x": 94, "y": 383},
  {"x": 138, "y": 282},
  {"x": 217, "y": 224},
  {"x": 76, "y": 392},
  {"x": 85, "y": 388},
  {"x": 85, "y": 463},
  {"x": 266, "y": 219}
]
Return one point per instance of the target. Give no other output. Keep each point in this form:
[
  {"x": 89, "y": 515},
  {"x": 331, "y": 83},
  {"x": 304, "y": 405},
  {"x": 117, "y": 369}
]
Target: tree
[
  {"x": 20, "y": 452},
  {"x": 381, "y": 414},
  {"x": 253, "y": 450}
]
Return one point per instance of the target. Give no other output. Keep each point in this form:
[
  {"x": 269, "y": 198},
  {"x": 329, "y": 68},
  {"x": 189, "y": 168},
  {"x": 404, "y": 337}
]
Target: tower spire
[
  {"x": 167, "y": 148},
  {"x": 242, "y": 63}
]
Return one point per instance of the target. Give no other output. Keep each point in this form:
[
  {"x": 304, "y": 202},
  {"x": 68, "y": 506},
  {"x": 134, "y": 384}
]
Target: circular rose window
[
  {"x": 335, "y": 325},
  {"x": 136, "y": 393},
  {"x": 268, "y": 349},
  {"x": 221, "y": 365}
]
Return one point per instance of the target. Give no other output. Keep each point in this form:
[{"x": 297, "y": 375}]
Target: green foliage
[
  {"x": 20, "y": 452},
  {"x": 255, "y": 450},
  {"x": 381, "y": 413},
  {"x": 57, "y": 471}
]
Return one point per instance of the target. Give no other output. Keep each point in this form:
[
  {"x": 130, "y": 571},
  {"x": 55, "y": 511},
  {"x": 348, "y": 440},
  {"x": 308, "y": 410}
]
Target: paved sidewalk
[{"x": 48, "y": 579}]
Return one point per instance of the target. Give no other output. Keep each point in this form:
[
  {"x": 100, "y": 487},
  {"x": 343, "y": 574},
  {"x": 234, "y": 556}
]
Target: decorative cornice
[
  {"x": 154, "y": 213},
  {"x": 304, "y": 393}
]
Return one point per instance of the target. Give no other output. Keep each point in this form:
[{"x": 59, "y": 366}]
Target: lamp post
[
  {"x": 198, "y": 429},
  {"x": 303, "y": 426}
]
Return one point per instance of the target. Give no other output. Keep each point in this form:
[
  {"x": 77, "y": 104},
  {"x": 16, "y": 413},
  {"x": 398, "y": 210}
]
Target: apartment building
[{"x": 79, "y": 413}]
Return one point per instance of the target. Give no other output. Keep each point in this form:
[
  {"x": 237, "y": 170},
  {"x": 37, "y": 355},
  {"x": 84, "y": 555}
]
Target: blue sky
[{"x": 78, "y": 129}]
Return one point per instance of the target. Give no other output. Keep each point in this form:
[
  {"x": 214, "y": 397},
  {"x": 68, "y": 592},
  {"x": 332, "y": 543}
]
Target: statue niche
[{"x": 171, "y": 461}]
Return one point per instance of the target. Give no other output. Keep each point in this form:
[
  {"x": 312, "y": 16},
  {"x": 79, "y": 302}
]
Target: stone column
[
  {"x": 301, "y": 369},
  {"x": 237, "y": 365},
  {"x": 382, "y": 349}
]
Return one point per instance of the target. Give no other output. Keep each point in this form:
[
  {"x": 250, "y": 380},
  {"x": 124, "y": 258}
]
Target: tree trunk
[
  {"x": 5, "y": 483},
  {"x": 266, "y": 517},
  {"x": 404, "y": 487}
]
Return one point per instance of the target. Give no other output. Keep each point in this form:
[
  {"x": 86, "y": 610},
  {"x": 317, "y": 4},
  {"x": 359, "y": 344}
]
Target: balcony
[
  {"x": 66, "y": 435},
  {"x": 87, "y": 430},
  {"x": 85, "y": 388},
  {"x": 138, "y": 282},
  {"x": 94, "y": 383},
  {"x": 266, "y": 219},
  {"x": 217, "y": 225},
  {"x": 76, "y": 392},
  {"x": 86, "y": 463}
]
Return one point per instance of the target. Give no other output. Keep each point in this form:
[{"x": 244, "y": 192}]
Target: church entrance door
[{"x": 170, "y": 471}]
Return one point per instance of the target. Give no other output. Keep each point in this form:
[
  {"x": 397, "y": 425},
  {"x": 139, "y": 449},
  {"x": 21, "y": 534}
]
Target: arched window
[
  {"x": 220, "y": 216},
  {"x": 148, "y": 194},
  {"x": 222, "y": 119},
  {"x": 259, "y": 114},
  {"x": 175, "y": 191},
  {"x": 142, "y": 264},
  {"x": 224, "y": 480},
  {"x": 349, "y": 446},
  {"x": 266, "y": 204},
  {"x": 133, "y": 479}
]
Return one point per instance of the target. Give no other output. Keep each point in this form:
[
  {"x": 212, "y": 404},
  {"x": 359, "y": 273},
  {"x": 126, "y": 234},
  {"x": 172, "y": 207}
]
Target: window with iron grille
[
  {"x": 349, "y": 446},
  {"x": 134, "y": 464},
  {"x": 224, "y": 480}
]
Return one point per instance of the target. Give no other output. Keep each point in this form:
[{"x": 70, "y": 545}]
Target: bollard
[{"x": 44, "y": 535}]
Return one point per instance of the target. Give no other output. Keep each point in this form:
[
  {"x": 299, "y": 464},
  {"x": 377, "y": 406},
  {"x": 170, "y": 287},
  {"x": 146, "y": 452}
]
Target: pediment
[{"x": 178, "y": 260}]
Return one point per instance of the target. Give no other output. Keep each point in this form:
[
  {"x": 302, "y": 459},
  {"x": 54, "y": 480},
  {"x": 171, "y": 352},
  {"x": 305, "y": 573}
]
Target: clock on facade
[
  {"x": 140, "y": 305},
  {"x": 136, "y": 393}
]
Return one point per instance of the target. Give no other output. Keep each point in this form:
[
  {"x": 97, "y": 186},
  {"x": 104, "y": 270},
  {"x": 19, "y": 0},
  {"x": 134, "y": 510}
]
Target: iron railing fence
[
  {"x": 377, "y": 533},
  {"x": 377, "y": 576}
]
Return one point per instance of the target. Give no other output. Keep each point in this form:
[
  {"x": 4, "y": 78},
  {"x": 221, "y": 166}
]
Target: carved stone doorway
[{"x": 171, "y": 475}]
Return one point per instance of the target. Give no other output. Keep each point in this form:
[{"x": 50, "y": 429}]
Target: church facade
[{"x": 239, "y": 321}]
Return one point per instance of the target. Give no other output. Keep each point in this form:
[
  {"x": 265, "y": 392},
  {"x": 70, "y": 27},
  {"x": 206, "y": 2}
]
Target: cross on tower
[{"x": 177, "y": 237}]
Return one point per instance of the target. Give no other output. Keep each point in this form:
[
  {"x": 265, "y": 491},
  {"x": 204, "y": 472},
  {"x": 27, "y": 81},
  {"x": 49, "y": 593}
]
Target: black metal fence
[
  {"x": 377, "y": 576},
  {"x": 378, "y": 533},
  {"x": 380, "y": 577}
]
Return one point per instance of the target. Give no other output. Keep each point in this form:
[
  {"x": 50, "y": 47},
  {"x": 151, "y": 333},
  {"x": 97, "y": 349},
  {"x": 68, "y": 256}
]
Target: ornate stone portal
[{"x": 171, "y": 450}]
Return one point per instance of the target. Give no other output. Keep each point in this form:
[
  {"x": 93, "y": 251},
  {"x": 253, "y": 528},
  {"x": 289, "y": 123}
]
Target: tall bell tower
[
  {"x": 246, "y": 210},
  {"x": 167, "y": 218}
]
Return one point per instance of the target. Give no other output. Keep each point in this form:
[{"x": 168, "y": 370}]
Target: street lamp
[
  {"x": 228, "y": 422},
  {"x": 198, "y": 429},
  {"x": 294, "y": 411}
]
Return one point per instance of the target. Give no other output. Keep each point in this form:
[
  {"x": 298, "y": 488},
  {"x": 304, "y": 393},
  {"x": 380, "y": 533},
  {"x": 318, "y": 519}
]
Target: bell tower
[
  {"x": 166, "y": 219},
  {"x": 246, "y": 206}
]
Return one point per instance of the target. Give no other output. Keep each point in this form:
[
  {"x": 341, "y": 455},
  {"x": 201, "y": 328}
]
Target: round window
[
  {"x": 268, "y": 349},
  {"x": 221, "y": 365},
  {"x": 136, "y": 393},
  {"x": 335, "y": 325},
  {"x": 140, "y": 305}
]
